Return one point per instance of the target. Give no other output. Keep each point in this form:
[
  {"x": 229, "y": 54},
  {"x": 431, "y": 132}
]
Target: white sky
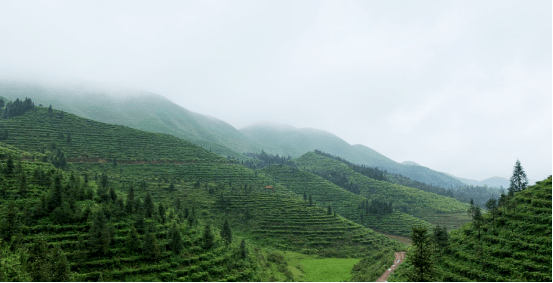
[{"x": 462, "y": 87}]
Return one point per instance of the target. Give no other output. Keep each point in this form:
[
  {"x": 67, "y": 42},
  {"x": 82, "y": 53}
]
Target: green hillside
[
  {"x": 85, "y": 140},
  {"x": 512, "y": 244},
  {"x": 430, "y": 207},
  {"x": 136, "y": 109},
  {"x": 196, "y": 188},
  {"x": 345, "y": 203}
]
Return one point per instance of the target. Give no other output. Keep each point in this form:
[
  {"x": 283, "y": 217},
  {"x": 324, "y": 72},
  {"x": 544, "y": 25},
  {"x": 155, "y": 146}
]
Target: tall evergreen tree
[
  {"x": 176, "y": 243},
  {"x": 130, "y": 201},
  {"x": 148, "y": 206},
  {"x": 133, "y": 243},
  {"x": 207, "y": 238},
  {"x": 150, "y": 247},
  {"x": 60, "y": 266},
  {"x": 9, "y": 165},
  {"x": 10, "y": 222},
  {"x": 39, "y": 261},
  {"x": 226, "y": 233},
  {"x": 99, "y": 234},
  {"x": 243, "y": 249},
  {"x": 491, "y": 205},
  {"x": 421, "y": 257},
  {"x": 519, "y": 182}
]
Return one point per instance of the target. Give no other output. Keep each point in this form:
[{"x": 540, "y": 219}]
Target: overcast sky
[{"x": 462, "y": 87}]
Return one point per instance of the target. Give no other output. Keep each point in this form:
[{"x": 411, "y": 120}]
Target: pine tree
[
  {"x": 491, "y": 205},
  {"x": 112, "y": 194},
  {"x": 440, "y": 239},
  {"x": 9, "y": 165},
  {"x": 133, "y": 241},
  {"x": 39, "y": 261},
  {"x": 99, "y": 234},
  {"x": 130, "y": 201},
  {"x": 519, "y": 182},
  {"x": 207, "y": 237},
  {"x": 310, "y": 201},
  {"x": 243, "y": 249},
  {"x": 329, "y": 210},
  {"x": 176, "y": 243},
  {"x": 421, "y": 258},
  {"x": 10, "y": 222},
  {"x": 60, "y": 266},
  {"x": 226, "y": 233},
  {"x": 150, "y": 247},
  {"x": 161, "y": 211},
  {"x": 148, "y": 206}
]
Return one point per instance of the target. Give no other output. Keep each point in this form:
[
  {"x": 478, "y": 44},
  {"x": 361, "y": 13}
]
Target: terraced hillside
[
  {"x": 436, "y": 209},
  {"x": 238, "y": 192},
  {"x": 86, "y": 140},
  {"x": 345, "y": 203},
  {"x": 140, "y": 110},
  {"x": 512, "y": 244},
  {"x": 51, "y": 214}
]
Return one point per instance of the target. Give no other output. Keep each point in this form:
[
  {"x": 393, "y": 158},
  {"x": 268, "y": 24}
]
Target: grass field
[{"x": 312, "y": 269}]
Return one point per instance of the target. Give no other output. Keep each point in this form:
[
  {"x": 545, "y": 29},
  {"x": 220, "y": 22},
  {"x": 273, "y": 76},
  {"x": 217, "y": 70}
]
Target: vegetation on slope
[
  {"x": 327, "y": 195},
  {"x": 511, "y": 242},
  {"x": 430, "y": 207},
  {"x": 54, "y": 132},
  {"x": 136, "y": 109},
  {"x": 88, "y": 214}
]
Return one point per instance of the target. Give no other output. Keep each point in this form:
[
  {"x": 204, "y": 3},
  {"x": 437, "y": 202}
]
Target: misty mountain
[
  {"x": 287, "y": 140},
  {"x": 154, "y": 113},
  {"x": 136, "y": 109}
]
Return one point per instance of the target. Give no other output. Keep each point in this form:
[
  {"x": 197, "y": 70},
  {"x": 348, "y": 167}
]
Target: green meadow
[{"x": 312, "y": 269}]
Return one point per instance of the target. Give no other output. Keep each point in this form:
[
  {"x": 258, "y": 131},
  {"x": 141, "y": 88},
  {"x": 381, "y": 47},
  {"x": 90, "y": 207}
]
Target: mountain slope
[
  {"x": 287, "y": 140},
  {"x": 430, "y": 207},
  {"x": 512, "y": 244},
  {"x": 349, "y": 205},
  {"x": 136, "y": 109}
]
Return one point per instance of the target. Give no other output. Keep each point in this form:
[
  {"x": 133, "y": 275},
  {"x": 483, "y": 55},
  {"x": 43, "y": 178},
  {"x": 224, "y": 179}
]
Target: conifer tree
[
  {"x": 150, "y": 247},
  {"x": 148, "y": 206},
  {"x": 226, "y": 233},
  {"x": 9, "y": 165},
  {"x": 99, "y": 234},
  {"x": 112, "y": 194},
  {"x": 310, "y": 201},
  {"x": 130, "y": 201},
  {"x": 519, "y": 182},
  {"x": 176, "y": 243},
  {"x": 491, "y": 205},
  {"x": 440, "y": 239},
  {"x": 39, "y": 261},
  {"x": 57, "y": 193},
  {"x": 207, "y": 238},
  {"x": 60, "y": 266},
  {"x": 161, "y": 211},
  {"x": 133, "y": 241},
  {"x": 329, "y": 210},
  {"x": 243, "y": 249},
  {"x": 421, "y": 257},
  {"x": 10, "y": 222}
]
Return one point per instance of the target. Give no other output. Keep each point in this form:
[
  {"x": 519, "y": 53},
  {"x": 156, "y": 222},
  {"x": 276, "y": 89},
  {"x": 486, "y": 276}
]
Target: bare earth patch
[{"x": 400, "y": 256}]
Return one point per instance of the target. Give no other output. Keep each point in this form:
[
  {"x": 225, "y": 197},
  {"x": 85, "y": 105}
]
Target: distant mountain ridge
[
  {"x": 152, "y": 112},
  {"x": 136, "y": 109}
]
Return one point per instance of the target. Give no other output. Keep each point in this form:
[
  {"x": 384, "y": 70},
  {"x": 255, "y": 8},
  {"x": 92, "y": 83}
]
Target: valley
[{"x": 86, "y": 200}]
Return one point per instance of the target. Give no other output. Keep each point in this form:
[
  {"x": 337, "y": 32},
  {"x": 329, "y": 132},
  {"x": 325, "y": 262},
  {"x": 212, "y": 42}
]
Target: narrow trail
[{"x": 400, "y": 256}]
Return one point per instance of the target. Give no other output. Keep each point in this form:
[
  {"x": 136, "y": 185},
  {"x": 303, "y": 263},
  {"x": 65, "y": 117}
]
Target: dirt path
[{"x": 400, "y": 256}]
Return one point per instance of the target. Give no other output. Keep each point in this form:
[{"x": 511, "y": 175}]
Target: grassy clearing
[{"x": 313, "y": 269}]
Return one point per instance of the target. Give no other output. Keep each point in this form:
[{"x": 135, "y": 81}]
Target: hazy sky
[{"x": 462, "y": 87}]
